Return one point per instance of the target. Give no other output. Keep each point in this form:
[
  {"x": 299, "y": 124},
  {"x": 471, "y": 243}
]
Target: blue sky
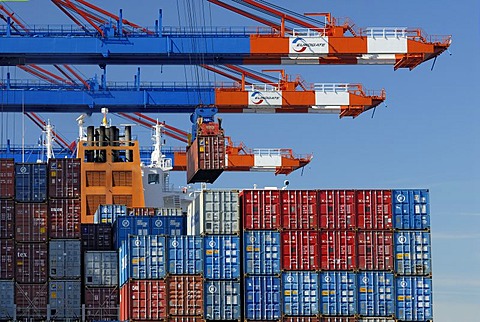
[{"x": 426, "y": 135}]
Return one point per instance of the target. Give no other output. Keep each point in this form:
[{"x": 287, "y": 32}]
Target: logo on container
[
  {"x": 174, "y": 244},
  {"x": 125, "y": 223},
  {"x": 212, "y": 243},
  {"x": 402, "y": 239},
  {"x": 365, "y": 280},
  {"x": 290, "y": 279},
  {"x": 401, "y": 198},
  {"x": 137, "y": 243},
  {"x": 23, "y": 169},
  {"x": 158, "y": 223},
  {"x": 212, "y": 289},
  {"x": 328, "y": 279},
  {"x": 257, "y": 98}
]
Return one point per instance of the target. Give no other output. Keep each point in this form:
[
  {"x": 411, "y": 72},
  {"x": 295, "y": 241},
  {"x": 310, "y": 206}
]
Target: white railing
[
  {"x": 331, "y": 88},
  {"x": 309, "y": 32},
  {"x": 396, "y": 32},
  {"x": 263, "y": 88},
  {"x": 267, "y": 152}
]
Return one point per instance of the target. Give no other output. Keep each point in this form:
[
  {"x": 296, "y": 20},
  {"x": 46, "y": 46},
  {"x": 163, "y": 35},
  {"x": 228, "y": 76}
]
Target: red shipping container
[
  {"x": 300, "y": 250},
  {"x": 299, "y": 209},
  {"x": 337, "y": 209},
  {"x": 185, "y": 319},
  {"x": 206, "y": 159},
  {"x": 31, "y": 263},
  {"x": 339, "y": 319},
  {"x": 261, "y": 209},
  {"x": 7, "y": 178},
  {"x": 101, "y": 303},
  {"x": 64, "y": 178},
  {"x": 64, "y": 217},
  {"x": 7, "y": 259},
  {"x": 31, "y": 300},
  {"x": 143, "y": 300},
  {"x": 374, "y": 209},
  {"x": 375, "y": 250},
  {"x": 185, "y": 295},
  {"x": 31, "y": 222},
  {"x": 141, "y": 211},
  {"x": 338, "y": 250},
  {"x": 7, "y": 218}
]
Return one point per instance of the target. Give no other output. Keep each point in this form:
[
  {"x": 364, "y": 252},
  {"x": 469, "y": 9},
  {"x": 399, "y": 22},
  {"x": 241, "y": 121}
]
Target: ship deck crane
[{"x": 101, "y": 38}]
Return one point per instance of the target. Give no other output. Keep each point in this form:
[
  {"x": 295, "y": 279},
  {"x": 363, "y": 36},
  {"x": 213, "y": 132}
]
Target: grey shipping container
[
  {"x": 215, "y": 212},
  {"x": 31, "y": 263},
  {"x": 222, "y": 300},
  {"x": 65, "y": 258},
  {"x": 7, "y": 218},
  {"x": 31, "y": 301},
  {"x": 30, "y": 182},
  {"x": 7, "y": 259},
  {"x": 7, "y": 300},
  {"x": 101, "y": 268},
  {"x": 65, "y": 299}
]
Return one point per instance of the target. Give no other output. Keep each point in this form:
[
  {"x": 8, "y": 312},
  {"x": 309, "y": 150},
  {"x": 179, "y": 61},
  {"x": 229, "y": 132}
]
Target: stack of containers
[
  {"x": 31, "y": 237},
  {"x": 7, "y": 241},
  {"x": 65, "y": 291}
]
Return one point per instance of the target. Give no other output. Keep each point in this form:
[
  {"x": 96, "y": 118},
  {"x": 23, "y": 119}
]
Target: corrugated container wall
[
  {"x": 101, "y": 303},
  {"x": 299, "y": 209},
  {"x": 338, "y": 293},
  {"x": 300, "y": 250},
  {"x": 7, "y": 218},
  {"x": 414, "y": 298},
  {"x": 216, "y": 212},
  {"x": 413, "y": 253},
  {"x": 7, "y": 178},
  {"x": 64, "y": 215},
  {"x": 143, "y": 300},
  {"x": 141, "y": 211},
  {"x": 31, "y": 222},
  {"x": 222, "y": 300},
  {"x": 206, "y": 158},
  {"x": 96, "y": 237},
  {"x": 411, "y": 209},
  {"x": 263, "y": 298},
  {"x": 31, "y": 301},
  {"x": 374, "y": 209},
  {"x": 300, "y": 293},
  {"x": 185, "y": 319},
  {"x": 31, "y": 263},
  {"x": 262, "y": 252},
  {"x": 107, "y": 214},
  {"x": 100, "y": 268},
  {"x": 261, "y": 209},
  {"x": 376, "y": 295},
  {"x": 65, "y": 299},
  {"x": 375, "y": 250},
  {"x": 338, "y": 250},
  {"x": 30, "y": 182},
  {"x": 185, "y": 295},
  {"x": 304, "y": 319},
  {"x": 142, "y": 257},
  {"x": 7, "y": 259},
  {"x": 185, "y": 255},
  {"x": 7, "y": 300},
  {"x": 65, "y": 259},
  {"x": 337, "y": 209},
  {"x": 222, "y": 257},
  {"x": 64, "y": 178},
  {"x": 169, "y": 212}
]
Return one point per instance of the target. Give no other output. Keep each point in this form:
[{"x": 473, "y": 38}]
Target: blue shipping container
[
  {"x": 300, "y": 293},
  {"x": 7, "y": 300},
  {"x": 413, "y": 253},
  {"x": 65, "y": 258},
  {"x": 411, "y": 209},
  {"x": 262, "y": 252},
  {"x": 142, "y": 257},
  {"x": 338, "y": 293},
  {"x": 375, "y": 294},
  {"x": 168, "y": 225},
  {"x": 107, "y": 214},
  {"x": 222, "y": 300},
  {"x": 31, "y": 182},
  {"x": 222, "y": 257},
  {"x": 414, "y": 298},
  {"x": 262, "y": 298},
  {"x": 185, "y": 255},
  {"x": 65, "y": 299}
]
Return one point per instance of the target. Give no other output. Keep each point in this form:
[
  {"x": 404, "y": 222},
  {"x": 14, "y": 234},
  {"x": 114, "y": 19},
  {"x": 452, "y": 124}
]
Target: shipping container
[
  {"x": 142, "y": 257},
  {"x": 7, "y": 178},
  {"x": 143, "y": 300},
  {"x": 65, "y": 258},
  {"x": 338, "y": 319},
  {"x": 206, "y": 158},
  {"x": 31, "y": 222},
  {"x": 185, "y": 255},
  {"x": 301, "y": 319},
  {"x": 107, "y": 214},
  {"x": 65, "y": 299},
  {"x": 376, "y": 319},
  {"x": 222, "y": 257},
  {"x": 7, "y": 259},
  {"x": 31, "y": 182},
  {"x": 7, "y": 218},
  {"x": 169, "y": 212},
  {"x": 300, "y": 250},
  {"x": 413, "y": 253},
  {"x": 222, "y": 300},
  {"x": 337, "y": 209},
  {"x": 215, "y": 212},
  {"x": 338, "y": 293},
  {"x": 100, "y": 268},
  {"x": 64, "y": 178},
  {"x": 7, "y": 300},
  {"x": 101, "y": 303},
  {"x": 125, "y": 226},
  {"x": 31, "y": 301},
  {"x": 299, "y": 209},
  {"x": 169, "y": 226},
  {"x": 185, "y": 295},
  {"x": 96, "y": 237},
  {"x": 374, "y": 209},
  {"x": 31, "y": 263},
  {"x": 375, "y": 250},
  {"x": 261, "y": 209},
  {"x": 300, "y": 293},
  {"x": 414, "y": 298},
  {"x": 185, "y": 319},
  {"x": 64, "y": 216},
  {"x": 411, "y": 209},
  {"x": 141, "y": 211},
  {"x": 263, "y": 298},
  {"x": 262, "y": 252},
  {"x": 376, "y": 294},
  {"x": 338, "y": 250}
]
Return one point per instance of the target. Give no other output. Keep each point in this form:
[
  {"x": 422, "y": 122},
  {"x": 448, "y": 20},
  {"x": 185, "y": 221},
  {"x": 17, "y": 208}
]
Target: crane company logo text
[
  {"x": 299, "y": 45},
  {"x": 258, "y": 98}
]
